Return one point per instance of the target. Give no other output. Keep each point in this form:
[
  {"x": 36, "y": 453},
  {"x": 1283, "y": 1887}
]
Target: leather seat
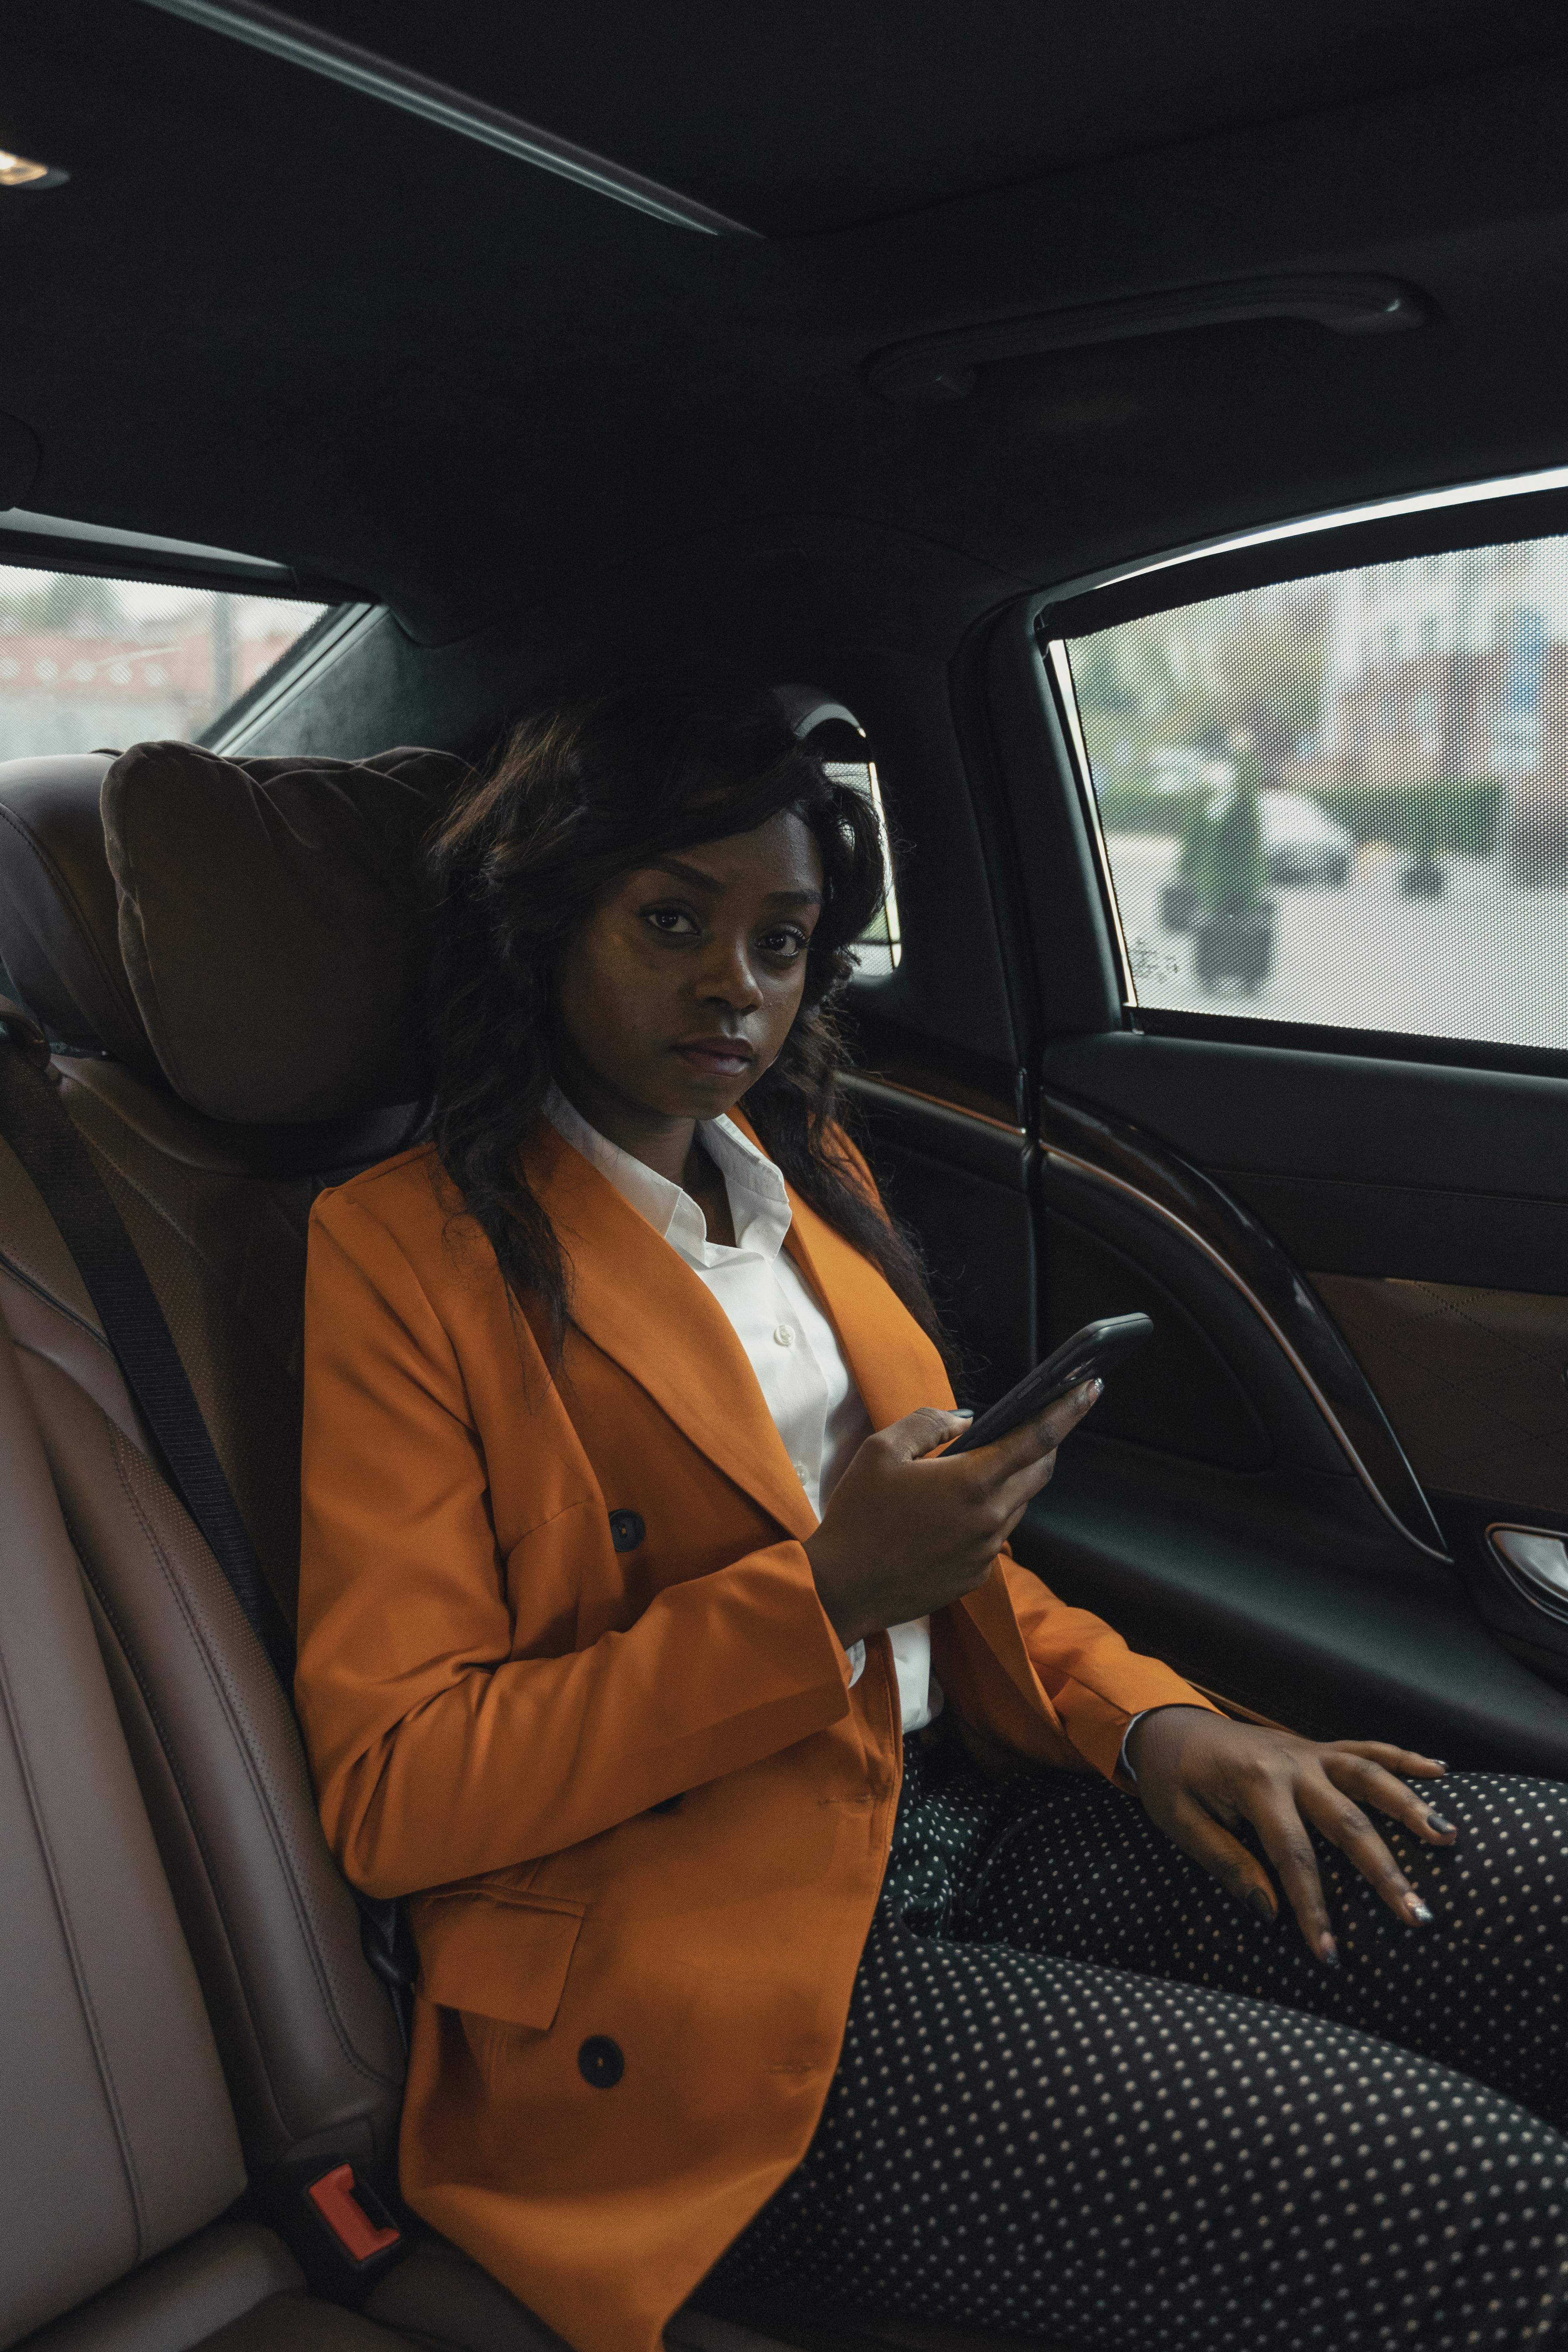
[
  {"x": 119, "y": 2155},
  {"x": 229, "y": 956},
  {"x": 218, "y": 1213}
]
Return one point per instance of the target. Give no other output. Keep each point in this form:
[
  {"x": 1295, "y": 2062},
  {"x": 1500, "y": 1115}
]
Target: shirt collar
[{"x": 759, "y": 1204}]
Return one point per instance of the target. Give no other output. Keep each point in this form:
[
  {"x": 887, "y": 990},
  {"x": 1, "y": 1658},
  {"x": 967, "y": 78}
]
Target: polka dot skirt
[{"x": 1084, "y": 2095}]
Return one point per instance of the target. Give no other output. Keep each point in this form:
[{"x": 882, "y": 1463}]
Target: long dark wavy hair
[{"x": 580, "y": 794}]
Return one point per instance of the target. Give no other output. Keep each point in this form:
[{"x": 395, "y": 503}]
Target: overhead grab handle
[{"x": 946, "y": 367}]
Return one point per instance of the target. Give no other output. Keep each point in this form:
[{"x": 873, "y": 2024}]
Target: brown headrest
[
  {"x": 59, "y": 913},
  {"x": 273, "y": 923}
]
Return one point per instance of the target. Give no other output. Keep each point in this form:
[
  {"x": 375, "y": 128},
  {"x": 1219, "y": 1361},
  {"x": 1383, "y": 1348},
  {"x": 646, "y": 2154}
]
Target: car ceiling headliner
[{"x": 268, "y": 312}]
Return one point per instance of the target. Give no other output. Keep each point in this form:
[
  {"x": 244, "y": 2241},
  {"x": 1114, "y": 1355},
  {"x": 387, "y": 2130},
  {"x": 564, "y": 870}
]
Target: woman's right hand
[{"x": 903, "y": 1534}]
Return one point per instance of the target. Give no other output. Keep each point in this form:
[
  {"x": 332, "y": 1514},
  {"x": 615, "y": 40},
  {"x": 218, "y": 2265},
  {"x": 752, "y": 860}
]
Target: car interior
[{"x": 1132, "y": 445}]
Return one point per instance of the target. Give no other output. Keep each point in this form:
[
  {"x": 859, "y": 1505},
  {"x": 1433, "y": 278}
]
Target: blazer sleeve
[
  {"x": 1094, "y": 1682},
  {"x": 440, "y": 1751}
]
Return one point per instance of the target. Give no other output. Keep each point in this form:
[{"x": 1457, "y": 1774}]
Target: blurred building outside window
[
  {"x": 90, "y": 663},
  {"x": 1344, "y": 799}
]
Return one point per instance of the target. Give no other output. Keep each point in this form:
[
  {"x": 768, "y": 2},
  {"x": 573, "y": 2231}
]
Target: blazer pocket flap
[{"x": 498, "y": 1955}]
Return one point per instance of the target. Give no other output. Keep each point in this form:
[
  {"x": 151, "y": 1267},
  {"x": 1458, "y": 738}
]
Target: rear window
[
  {"x": 94, "y": 665},
  {"x": 1344, "y": 801}
]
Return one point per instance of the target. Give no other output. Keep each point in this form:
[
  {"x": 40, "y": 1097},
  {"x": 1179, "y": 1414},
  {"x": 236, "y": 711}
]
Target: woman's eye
[
  {"x": 670, "y": 920},
  {"x": 790, "y": 943}
]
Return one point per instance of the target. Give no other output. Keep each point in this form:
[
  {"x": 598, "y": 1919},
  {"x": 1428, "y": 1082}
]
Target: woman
[{"x": 808, "y": 1903}]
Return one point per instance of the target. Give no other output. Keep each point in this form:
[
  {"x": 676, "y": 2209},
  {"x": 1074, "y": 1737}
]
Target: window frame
[
  {"x": 1158, "y": 585},
  {"x": 323, "y": 644},
  {"x": 45, "y": 543}
]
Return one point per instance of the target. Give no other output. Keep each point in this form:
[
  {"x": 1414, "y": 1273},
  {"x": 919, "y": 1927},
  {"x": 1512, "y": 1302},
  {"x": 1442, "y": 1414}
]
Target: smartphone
[{"x": 1092, "y": 1353}]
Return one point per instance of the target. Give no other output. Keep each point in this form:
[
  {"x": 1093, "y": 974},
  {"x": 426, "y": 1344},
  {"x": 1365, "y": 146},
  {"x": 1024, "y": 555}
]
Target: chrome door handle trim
[{"x": 1527, "y": 1563}]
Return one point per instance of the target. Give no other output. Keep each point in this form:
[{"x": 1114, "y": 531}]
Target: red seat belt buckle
[{"x": 361, "y": 2236}]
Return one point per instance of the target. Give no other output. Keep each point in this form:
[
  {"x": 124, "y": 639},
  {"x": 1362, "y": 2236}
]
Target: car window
[
  {"x": 93, "y": 665},
  {"x": 878, "y": 951},
  {"x": 1343, "y": 799}
]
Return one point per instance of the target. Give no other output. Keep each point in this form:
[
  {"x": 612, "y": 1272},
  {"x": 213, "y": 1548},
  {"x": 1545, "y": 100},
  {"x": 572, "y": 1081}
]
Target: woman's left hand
[{"x": 1201, "y": 1775}]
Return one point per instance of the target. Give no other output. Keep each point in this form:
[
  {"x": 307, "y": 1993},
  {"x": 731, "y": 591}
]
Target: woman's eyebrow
[
  {"x": 684, "y": 873},
  {"x": 700, "y": 881}
]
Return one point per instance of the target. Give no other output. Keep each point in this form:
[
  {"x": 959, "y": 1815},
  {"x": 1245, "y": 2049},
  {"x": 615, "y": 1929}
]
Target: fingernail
[
  {"x": 1419, "y": 1911},
  {"x": 1257, "y": 1903},
  {"x": 1094, "y": 1390},
  {"x": 1438, "y": 1762},
  {"x": 1329, "y": 1952},
  {"x": 1443, "y": 1828}
]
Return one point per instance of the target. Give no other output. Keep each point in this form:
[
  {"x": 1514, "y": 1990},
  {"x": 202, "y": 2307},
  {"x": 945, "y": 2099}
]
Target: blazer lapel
[{"x": 635, "y": 1298}]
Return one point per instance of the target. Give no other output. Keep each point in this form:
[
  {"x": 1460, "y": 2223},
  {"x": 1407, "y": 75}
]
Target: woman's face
[{"x": 679, "y": 990}]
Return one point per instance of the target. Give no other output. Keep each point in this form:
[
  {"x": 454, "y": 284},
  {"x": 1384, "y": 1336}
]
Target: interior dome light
[{"x": 21, "y": 172}]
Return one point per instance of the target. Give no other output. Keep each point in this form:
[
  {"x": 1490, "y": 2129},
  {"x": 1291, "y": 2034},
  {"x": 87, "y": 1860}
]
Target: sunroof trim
[{"x": 375, "y": 76}]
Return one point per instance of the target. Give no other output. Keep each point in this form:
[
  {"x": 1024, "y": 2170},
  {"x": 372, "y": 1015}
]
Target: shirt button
[
  {"x": 783, "y": 1335},
  {"x": 799, "y": 1469}
]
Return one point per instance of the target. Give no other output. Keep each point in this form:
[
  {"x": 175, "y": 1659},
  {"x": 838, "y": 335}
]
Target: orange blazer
[{"x": 641, "y": 1815}]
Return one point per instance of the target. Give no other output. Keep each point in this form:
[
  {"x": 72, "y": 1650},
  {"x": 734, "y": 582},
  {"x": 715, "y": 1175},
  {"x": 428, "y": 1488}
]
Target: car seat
[
  {"x": 119, "y": 2160},
  {"x": 226, "y": 956},
  {"x": 218, "y": 1213}
]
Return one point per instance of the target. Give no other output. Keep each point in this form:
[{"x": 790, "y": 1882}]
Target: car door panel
[
  {"x": 1453, "y": 1300},
  {"x": 1279, "y": 1529},
  {"x": 1336, "y": 1513},
  {"x": 1244, "y": 1583},
  {"x": 1248, "y": 1110},
  {"x": 1182, "y": 1386},
  {"x": 1488, "y": 1240},
  {"x": 960, "y": 1180},
  {"x": 1244, "y": 1289},
  {"x": 1472, "y": 1379},
  {"x": 1280, "y": 1587}
]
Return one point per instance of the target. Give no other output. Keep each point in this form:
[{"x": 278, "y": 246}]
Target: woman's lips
[{"x": 716, "y": 1059}]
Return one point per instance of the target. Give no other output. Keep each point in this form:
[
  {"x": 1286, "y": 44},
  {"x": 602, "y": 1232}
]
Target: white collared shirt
[{"x": 790, "y": 1344}]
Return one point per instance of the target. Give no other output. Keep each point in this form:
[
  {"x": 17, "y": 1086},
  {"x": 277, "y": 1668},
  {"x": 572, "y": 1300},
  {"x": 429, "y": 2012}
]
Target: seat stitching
[
  {"x": 79, "y": 1973},
  {"x": 218, "y": 1682},
  {"x": 212, "y": 1666},
  {"x": 30, "y": 1282},
  {"x": 1474, "y": 1320},
  {"x": 1455, "y": 1383},
  {"x": 1461, "y": 1385},
  {"x": 155, "y": 1716},
  {"x": 301, "y": 1910}
]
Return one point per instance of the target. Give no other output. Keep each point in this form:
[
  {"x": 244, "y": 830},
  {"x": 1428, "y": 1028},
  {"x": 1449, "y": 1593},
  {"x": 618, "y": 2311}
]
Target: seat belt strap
[{"x": 40, "y": 1131}]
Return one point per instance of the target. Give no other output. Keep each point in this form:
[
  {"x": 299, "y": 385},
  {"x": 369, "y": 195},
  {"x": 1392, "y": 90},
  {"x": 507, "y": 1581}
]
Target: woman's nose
[{"x": 727, "y": 976}]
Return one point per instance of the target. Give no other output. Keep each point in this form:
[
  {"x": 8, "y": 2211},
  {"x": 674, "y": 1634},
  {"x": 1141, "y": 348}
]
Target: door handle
[{"x": 1537, "y": 1561}]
